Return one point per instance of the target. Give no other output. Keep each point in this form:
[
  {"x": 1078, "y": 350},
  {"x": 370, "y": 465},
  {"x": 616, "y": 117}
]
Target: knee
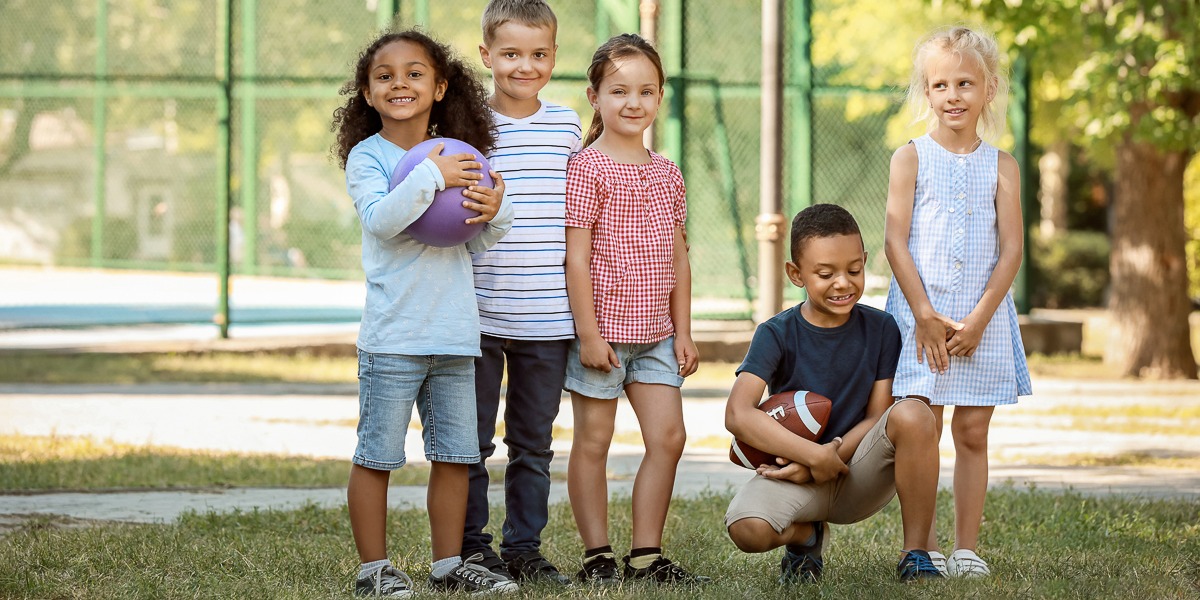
[
  {"x": 971, "y": 439},
  {"x": 912, "y": 418},
  {"x": 669, "y": 442},
  {"x": 591, "y": 440},
  {"x": 752, "y": 535}
]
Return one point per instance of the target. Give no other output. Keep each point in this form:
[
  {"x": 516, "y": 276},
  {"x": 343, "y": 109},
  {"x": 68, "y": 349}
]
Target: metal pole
[
  {"x": 800, "y": 72},
  {"x": 421, "y": 12},
  {"x": 648, "y": 29},
  {"x": 385, "y": 12},
  {"x": 249, "y": 127},
  {"x": 224, "y": 163},
  {"x": 100, "y": 127},
  {"x": 1019, "y": 112},
  {"x": 770, "y": 224},
  {"x": 673, "y": 43}
]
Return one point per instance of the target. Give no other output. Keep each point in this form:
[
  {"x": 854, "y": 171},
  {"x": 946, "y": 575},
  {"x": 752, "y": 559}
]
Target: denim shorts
[
  {"x": 640, "y": 363},
  {"x": 443, "y": 389}
]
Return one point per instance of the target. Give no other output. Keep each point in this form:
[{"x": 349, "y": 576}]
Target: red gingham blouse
[{"x": 633, "y": 212}]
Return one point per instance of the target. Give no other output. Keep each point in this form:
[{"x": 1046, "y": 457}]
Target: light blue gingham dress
[{"x": 955, "y": 244}]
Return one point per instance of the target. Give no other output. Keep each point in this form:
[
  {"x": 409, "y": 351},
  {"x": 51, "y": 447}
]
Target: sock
[
  {"x": 442, "y": 567},
  {"x": 602, "y": 551},
  {"x": 374, "y": 565},
  {"x": 640, "y": 558}
]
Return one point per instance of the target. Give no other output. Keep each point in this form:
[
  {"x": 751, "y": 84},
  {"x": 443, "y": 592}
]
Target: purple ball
[{"x": 442, "y": 224}]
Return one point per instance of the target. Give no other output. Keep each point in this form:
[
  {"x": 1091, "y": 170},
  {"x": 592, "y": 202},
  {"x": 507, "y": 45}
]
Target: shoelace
[
  {"x": 922, "y": 564},
  {"x": 388, "y": 580},
  {"x": 477, "y": 574},
  {"x": 675, "y": 571}
]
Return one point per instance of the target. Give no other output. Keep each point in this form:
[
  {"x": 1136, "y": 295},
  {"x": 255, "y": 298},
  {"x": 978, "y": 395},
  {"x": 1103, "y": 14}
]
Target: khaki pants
[{"x": 862, "y": 492}]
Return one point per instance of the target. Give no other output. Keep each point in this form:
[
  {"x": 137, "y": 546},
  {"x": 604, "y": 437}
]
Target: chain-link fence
[{"x": 129, "y": 130}]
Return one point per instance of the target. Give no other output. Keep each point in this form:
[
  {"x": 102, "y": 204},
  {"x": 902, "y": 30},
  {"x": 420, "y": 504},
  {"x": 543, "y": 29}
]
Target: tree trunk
[{"x": 1148, "y": 305}]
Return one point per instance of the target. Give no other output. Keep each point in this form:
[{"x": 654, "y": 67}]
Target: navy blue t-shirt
[{"x": 841, "y": 363}]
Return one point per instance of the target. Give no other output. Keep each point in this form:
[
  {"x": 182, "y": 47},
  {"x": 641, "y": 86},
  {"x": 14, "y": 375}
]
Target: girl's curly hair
[{"x": 461, "y": 114}]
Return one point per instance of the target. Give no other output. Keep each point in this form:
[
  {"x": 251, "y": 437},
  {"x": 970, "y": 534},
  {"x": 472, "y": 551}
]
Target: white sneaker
[
  {"x": 939, "y": 562},
  {"x": 965, "y": 563}
]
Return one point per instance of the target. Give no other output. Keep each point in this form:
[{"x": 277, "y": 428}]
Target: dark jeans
[{"x": 535, "y": 376}]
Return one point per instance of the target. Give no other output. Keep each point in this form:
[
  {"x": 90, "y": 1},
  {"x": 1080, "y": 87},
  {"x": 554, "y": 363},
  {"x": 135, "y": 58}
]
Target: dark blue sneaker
[
  {"x": 804, "y": 564},
  {"x": 915, "y": 566}
]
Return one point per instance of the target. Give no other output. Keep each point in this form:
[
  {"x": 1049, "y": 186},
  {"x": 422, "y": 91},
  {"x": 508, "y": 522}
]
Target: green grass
[
  {"x": 1124, "y": 459},
  {"x": 204, "y": 367},
  {"x": 1039, "y": 544}
]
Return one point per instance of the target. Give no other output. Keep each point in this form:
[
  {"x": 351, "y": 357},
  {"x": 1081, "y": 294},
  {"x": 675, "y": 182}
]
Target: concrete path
[{"x": 318, "y": 421}]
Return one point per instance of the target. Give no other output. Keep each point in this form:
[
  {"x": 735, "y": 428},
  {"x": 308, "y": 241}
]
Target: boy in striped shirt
[{"x": 524, "y": 314}]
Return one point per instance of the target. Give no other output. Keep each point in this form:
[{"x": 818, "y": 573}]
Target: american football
[{"x": 803, "y": 413}]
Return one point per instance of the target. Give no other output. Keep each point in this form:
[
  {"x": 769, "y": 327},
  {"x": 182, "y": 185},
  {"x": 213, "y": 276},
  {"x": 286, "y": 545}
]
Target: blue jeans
[{"x": 535, "y": 377}]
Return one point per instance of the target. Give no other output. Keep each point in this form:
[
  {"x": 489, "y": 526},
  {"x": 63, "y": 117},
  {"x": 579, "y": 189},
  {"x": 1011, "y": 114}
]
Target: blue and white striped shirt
[{"x": 521, "y": 282}]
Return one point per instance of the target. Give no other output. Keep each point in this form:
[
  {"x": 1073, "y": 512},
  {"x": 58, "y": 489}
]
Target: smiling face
[
  {"x": 832, "y": 271},
  {"x": 521, "y": 58},
  {"x": 957, "y": 90},
  {"x": 628, "y": 97},
  {"x": 403, "y": 85}
]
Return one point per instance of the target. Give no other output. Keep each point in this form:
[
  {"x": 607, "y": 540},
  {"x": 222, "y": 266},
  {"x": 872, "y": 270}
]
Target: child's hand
[
  {"x": 454, "y": 167},
  {"x": 932, "y": 333},
  {"x": 484, "y": 200},
  {"x": 786, "y": 471},
  {"x": 598, "y": 354},
  {"x": 828, "y": 464},
  {"x": 964, "y": 341},
  {"x": 686, "y": 354}
]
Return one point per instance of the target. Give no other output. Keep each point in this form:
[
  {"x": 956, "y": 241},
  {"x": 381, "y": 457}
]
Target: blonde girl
[{"x": 954, "y": 240}]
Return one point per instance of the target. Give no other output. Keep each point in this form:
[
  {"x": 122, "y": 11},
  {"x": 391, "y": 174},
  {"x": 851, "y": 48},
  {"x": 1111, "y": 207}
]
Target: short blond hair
[
  {"x": 534, "y": 13},
  {"x": 963, "y": 42}
]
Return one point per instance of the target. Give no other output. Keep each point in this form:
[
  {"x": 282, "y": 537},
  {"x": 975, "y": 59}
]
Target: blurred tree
[{"x": 1130, "y": 84}]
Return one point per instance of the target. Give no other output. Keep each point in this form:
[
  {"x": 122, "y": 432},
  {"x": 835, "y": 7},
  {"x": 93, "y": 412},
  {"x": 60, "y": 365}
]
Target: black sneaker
[
  {"x": 532, "y": 567},
  {"x": 806, "y": 564},
  {"x": 473, "y": 578},
  {"x": 601, "y": 570},
  {"x": 662, "y": 570},
  {"x": 916, "y": 566},
  {"x": 385, "y": 581},
  {"x": 491, "y": 562}
]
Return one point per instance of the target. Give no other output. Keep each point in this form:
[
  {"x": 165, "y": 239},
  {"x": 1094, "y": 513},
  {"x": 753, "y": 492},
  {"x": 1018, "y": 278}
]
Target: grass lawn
[
  {"x": 306, "y": 367},
  {"x": 1040, "y": 544}
]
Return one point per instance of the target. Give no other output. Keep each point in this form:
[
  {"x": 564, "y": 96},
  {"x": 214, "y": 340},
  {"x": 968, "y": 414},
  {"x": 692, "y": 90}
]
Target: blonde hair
[
  {"x": 534, "y": 13},
  {"x": 618, "y": 47},
  {"x": 964, "y": 43}
]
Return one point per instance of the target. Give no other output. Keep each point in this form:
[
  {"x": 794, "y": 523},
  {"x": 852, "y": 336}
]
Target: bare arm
[
  {"x": 881, "y": 399},
  {"x": 594, "y": 352},
  {"x": 932, "y": 327},
  {"x": 1010, "y": 227},
  {"x": 811, "y": 461},
  {"x": 681, "y": 307}
]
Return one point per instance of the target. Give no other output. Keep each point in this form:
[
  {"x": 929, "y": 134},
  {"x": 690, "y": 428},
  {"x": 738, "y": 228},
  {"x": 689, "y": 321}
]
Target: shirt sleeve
[
  {"x": 583, "y": 193},
  {"x": 679, "y": 202},
  {"x": 577, "y": 147},
  {"x": 384, "y": 214},
  {"x": 765, "y": 354},
  {"x": 889, "y": 350}
]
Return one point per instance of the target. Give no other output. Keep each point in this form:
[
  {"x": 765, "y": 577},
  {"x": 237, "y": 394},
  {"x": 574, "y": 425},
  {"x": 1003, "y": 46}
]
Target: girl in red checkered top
[{"x": 629, "y": 285}]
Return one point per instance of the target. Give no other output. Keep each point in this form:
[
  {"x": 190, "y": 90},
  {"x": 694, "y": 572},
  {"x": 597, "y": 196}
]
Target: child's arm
[
  {"x": 594, "y": 352},
  {"x": 681, "y": 307},
  {"x": 1009, "y": 225},
  {"x": 932, "y": 328},
  {"x": 809, "y": 461},
  {"x": 881, "y": 399}
]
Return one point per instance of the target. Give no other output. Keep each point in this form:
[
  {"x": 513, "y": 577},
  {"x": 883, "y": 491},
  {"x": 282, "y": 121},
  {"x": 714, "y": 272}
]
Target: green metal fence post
[
  {"x": 224, "y": 160},
  {"x": 385, "y": 13},
  {"x": 1018, "y": 114},
  {"x": 672, "y": 18},
  {"x": 421, "y": 12},
  {"x": 100, "y": 127},
  {"x": 248, "y": 87},
  {"x": 800, "y": 108}
]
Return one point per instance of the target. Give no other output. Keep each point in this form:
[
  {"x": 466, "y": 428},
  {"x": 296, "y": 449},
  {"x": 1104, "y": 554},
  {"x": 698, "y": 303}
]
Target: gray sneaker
[
  {"x": 387, "y": 581},
  {"x": 473, "y": 578}
]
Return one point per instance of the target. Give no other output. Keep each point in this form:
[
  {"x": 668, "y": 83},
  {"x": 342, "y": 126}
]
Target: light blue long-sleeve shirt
[{"x": 420, "y": 298}]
